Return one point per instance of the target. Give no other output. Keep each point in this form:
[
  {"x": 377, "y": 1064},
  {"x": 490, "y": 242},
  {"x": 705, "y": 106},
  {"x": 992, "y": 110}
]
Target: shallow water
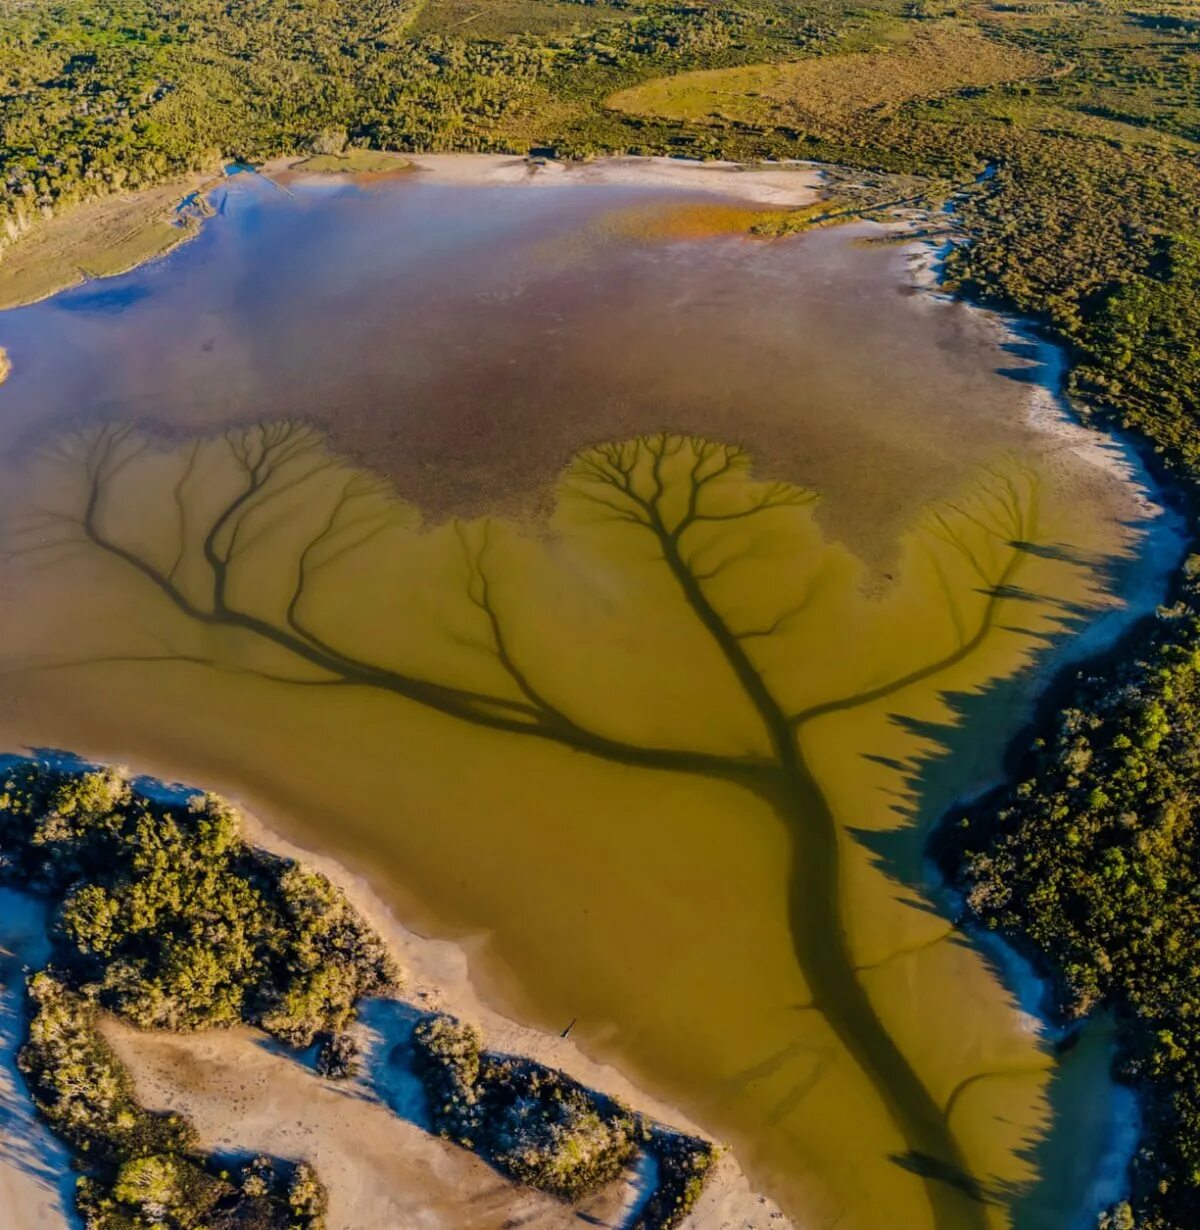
[{"x": 660, "y": 724}]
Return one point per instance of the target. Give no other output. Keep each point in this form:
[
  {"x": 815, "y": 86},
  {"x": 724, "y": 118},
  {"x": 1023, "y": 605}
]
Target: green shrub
[
  {"x": 534, "y": 1123},
  {"x": 81, "y": 1087},
  {"x": 143, "y": 1168},
  {"x": 684, "y": 1167},
  {"x": 170, "y": 920}
]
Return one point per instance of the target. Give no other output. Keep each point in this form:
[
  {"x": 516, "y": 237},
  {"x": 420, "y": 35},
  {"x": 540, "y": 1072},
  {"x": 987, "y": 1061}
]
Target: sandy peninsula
[{"x": 368, "y": 1137}]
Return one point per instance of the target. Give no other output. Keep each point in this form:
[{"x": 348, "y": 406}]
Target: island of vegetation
[
  {"x": 166, "y": 918},
  {"x": 1075, "y": 125}
]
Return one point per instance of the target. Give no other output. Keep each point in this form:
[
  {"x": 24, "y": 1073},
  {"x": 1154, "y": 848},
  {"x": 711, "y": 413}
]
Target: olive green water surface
[{"x": 631, "y": 606}]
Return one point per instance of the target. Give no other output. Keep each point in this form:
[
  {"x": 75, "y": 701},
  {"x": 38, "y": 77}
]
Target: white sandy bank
[{"x": 773, "y": 184}]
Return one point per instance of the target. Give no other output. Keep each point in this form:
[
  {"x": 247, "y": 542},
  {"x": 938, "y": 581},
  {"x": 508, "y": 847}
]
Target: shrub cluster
[
  {"x": 142, "y": 1168},
  {"x": 532, "y": 1122},
  {"x": 169, "y": 919},
  {"x": 684, "y": 1167},
  {"x": 337, "y": 1057},
  {"x": 82, "y": 1088},
  {"x": 546, "y": 1130}
]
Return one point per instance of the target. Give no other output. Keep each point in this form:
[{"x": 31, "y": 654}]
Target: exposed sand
[
  {"x": 36, "y": 1182},
  {"x": 772, "y": 184},
  {"x": 367, "y": 1137}
]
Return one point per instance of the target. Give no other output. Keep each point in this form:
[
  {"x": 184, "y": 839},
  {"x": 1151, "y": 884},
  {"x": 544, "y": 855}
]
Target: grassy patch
[
  {"x": 355, "y": 162},
  {"x": 945, "y": 58},
  {"x": 98, "y": 240}
]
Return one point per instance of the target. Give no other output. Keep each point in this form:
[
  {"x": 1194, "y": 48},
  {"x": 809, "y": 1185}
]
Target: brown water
[{"x": 629, "y": 603}]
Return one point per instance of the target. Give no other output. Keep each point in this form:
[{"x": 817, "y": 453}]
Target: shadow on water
[
  {"x": 269, "y": 526},
  {"x": 1080, "y": 1153},
  {"x": 108, "y": 299},
  {"x": 1082, "y": 1163}
]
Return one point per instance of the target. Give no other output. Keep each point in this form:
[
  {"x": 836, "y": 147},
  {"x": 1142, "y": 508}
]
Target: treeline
[
  {"x": 1091, "y": 861},
  {"x": 169, "y": 919},
  {"x": 165, "y": 917},
  {"x": 105, "y": 95}
]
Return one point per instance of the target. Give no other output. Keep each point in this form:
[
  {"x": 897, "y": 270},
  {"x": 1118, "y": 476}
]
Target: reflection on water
[{"x": 670, "y": 750}]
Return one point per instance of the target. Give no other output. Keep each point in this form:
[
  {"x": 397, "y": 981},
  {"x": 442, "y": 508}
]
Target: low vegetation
[
  {"x": 535, "y": 1124},
  {"x": 946, "y": 57},
  {"x": 168, "y": 919},
  {"x": 358, "y": 162},
  {"x": 546, "y": 1130},
  {"x": 107, "y": 236},
  {"x": 143, "y": 1168}
]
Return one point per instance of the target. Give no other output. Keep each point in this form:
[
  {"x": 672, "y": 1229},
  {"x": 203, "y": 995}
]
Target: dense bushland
[
  {"x": 106, "y": 95},
  {"x": 169, "y": 919},
  {"x": 684, "y": 1164},
  {"x": 545, "y": 1129},
  {"x": 1092, "y": 860},
  {"x": 142, "y": 1168},
  {"x": 532, "y": 1122}
]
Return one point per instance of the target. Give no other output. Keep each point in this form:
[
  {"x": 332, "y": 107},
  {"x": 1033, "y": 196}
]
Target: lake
[{"x": 624, "y": 596}]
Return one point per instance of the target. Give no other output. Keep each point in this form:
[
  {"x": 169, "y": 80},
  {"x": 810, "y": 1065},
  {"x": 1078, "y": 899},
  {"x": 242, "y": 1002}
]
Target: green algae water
[{"x": 626, "y": 600}]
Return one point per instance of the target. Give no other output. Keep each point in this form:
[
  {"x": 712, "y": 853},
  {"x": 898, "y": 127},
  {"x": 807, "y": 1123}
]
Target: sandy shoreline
[
  {"x": 438, "y": 978},
  {"x": 777, "y": 184},
  {"x": 36, "y": 1179},
  {"x": 367, "y": 1137}
]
